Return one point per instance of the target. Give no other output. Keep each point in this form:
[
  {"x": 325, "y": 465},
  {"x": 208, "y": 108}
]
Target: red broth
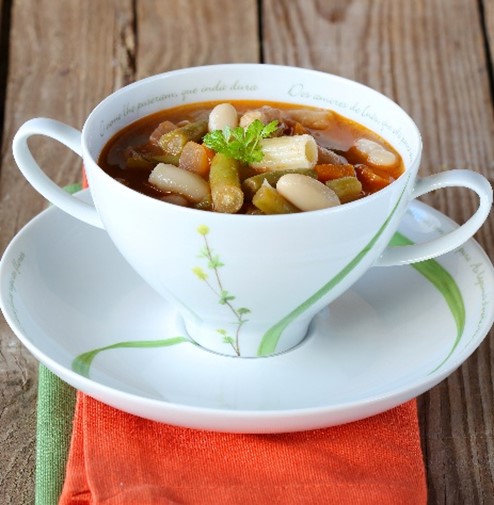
[{"x": 345, "y": 150}]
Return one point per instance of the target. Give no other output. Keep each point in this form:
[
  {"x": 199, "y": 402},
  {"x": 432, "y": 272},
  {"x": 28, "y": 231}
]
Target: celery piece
[
  {"x": 169, "y": 159},
  {"x": 269, "y": 201},
  {"x": 137, "y": 160},
  {"x": 174, "y": 141},
  {"x": 147, "y": 158},
  {"x": 346, "y": 188},
  {"x": 252, "y": 184}
]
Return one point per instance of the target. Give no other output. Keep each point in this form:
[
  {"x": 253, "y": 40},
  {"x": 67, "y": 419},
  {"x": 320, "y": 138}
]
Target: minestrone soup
[{"x": 251, "y": 157}]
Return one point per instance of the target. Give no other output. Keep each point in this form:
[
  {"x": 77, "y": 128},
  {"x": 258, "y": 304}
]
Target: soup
[{"x": 251, "y": 157}]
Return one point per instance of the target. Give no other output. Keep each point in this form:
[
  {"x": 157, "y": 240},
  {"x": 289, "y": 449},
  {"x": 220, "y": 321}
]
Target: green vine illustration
[
  {"x": 224, "y": 297},
  {"x": 82, "y": 363}
]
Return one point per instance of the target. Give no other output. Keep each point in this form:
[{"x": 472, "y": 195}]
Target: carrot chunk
[
  {"x": 372, "y": 179},
  {"x": 328, "y": 171}
]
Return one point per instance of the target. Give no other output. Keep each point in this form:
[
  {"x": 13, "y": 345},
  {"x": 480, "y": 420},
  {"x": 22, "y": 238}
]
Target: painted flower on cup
[{"x": 215, "y": 284}]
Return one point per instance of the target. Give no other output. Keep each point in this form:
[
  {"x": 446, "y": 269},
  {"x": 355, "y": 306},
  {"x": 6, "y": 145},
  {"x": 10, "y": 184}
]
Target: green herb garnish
[{"x": 239, "y": 143}]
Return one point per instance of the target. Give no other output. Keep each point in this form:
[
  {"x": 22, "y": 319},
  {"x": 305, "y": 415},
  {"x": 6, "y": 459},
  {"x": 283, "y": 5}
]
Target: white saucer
[{"x": 65, "y": 290}]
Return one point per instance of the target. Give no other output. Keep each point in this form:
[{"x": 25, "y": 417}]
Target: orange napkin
[{"x": 119, "y": 459}]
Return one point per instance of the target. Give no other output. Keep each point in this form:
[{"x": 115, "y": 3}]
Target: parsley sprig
[{"x": 240, "y": 143}]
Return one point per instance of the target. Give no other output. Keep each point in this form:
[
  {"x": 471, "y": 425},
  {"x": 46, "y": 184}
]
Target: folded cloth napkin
[
  {"x": 56, "y": 402},
  {"x": 118, "y": 459}
]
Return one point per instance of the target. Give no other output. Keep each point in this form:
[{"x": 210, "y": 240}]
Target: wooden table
[{"x": 59, "y": 58}]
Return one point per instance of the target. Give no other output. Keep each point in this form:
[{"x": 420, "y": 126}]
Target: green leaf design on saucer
[
  {"x": 82, "y": 363},
  {"x": 446, "y": 285}
]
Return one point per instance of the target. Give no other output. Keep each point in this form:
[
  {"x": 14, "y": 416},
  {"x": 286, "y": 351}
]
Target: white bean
[
  {"x": 366, "y": 146},
  {"x": 306, "y": 193},
  {"x": 382, "y": 157},
  {"x": 376, "y": 153},
  {"x": 224, "y": 114},
  {"x": 177, "y": 180}
]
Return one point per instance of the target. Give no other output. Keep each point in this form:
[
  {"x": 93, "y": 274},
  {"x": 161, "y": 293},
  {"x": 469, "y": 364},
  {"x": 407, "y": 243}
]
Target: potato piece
[{"x": 195, "y": 158}]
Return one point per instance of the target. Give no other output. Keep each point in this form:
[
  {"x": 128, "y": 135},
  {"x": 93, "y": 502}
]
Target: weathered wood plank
[
  {"x": 429, "y": 56},
  {"x": 62, "y": 62},
  {"x": 186, "y": 33},
  {"x": 4, "y": 44}
]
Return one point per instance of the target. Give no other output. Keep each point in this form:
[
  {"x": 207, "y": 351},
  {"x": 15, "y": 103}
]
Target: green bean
[
  {"x": 226, "y": 192},
  {"x": 205, "y": 203},
  {"x": 174, "y": 141},
  {"x": 269, "y": 201},
  {"x": 346, "y": 188},
  {"x": 146, "y": 159},
  {"x": 251, "y": 185},
  {"x": 169, "y": 159},
  {"x": 252, "y": 210}
]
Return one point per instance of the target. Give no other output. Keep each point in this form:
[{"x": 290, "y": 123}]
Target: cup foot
[{"x": 246, "y": 341}]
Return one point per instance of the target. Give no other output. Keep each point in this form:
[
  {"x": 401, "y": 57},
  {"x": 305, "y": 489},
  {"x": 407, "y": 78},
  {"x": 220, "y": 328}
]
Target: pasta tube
[{"x": 287, "y": 153}]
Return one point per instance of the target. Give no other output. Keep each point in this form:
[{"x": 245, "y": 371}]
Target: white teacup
[{"x": 274, "y": 272}]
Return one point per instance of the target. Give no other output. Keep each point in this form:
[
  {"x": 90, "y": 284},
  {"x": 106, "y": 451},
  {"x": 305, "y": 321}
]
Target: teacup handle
[
  {"x": 71, "y": 138},
  {"x": 402, "y": 255}
]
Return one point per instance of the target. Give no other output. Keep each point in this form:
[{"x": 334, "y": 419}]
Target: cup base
[{"x": 246, "y": 341}]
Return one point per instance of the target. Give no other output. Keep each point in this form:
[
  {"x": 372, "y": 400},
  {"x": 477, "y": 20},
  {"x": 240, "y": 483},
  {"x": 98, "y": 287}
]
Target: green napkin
[{"x": 56, "y": 403}]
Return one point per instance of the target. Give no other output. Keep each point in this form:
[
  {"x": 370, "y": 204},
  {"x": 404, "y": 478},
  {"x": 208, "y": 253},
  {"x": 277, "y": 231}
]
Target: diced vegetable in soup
[{"x": 251, "y": 157}]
